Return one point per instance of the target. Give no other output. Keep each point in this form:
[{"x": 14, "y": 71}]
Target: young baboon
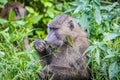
[
  {"x": 19, "y": 11},
  {"x": 62, "y": 50}
]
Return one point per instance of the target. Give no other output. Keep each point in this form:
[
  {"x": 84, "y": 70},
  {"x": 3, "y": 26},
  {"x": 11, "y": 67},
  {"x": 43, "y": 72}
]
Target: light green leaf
[
  {"x": 21, "y": 22},
  {"x": 2, "y": 21},
  {"x": 11, "y": 15},
  {"x": 97, "y": 16},
  {"x": 111, "y": 36},
  {"x": 2, "y": 53},
  {"x": 109, "y": 7},
  {"x": 35, "y": 19},
  {"x": 97, "y": 57},
  {"x": 90, "y": 48},
  {"x": 113, "y": 70},
  {"x": 30, "y": 9},
  {"x": 109, "y": 56},
  {"x": 77, "y": 9},
  {"x": 84, "y": 22}
]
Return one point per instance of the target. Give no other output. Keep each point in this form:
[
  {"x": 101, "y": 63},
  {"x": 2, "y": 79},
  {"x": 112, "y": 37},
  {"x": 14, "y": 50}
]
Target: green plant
[
  {"x": 16, "y": 63},
  {"x": 101, "y": 21}
]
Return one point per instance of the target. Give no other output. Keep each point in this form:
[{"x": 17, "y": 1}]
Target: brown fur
[
  {"x": 68, "y": 61},
  {"x": 19, "y": 11}
]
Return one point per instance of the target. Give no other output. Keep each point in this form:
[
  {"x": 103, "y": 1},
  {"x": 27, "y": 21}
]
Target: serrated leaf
[
  {"x": 2, "y": 53},
  {"x": 111, "y": 36},
  {"x": 2, "y": 21},
  {"x": 21, "y": 22},
  {"x": 35, "y": 19},
  {"x": 76, "y": 3},
  {"x": 77, "y": 9},
  {"x": 97, "y": 16},
  {"x": 29, "y": 9},
  {"x": 3, "y": 1},
  {"x": 11, "y": 15},
  {"x": 97, "y": 57},
  {"x": 109, "y": 56},
  {"x": 109, "y": 7},
  {"x": 69, "y": 10},
  {"x": 113, "y": 70},
  {"x": 84, "y": 22},
  {"x": 90, "y": 48}
]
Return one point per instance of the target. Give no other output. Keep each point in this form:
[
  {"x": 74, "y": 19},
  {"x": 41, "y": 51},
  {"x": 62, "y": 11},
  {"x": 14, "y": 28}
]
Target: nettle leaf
[
  {"x": 84, "y": 22},
  {"x": 35, "y": 19},
  {"x": 113, "y": 70},
  {"x": 11, "y": 15},
  {"x": 2, "y": 53},
  {"x": 97, "y": 16},
  {"x": 90, "y": 48},
  {"x": 109, "y": 7},
  {"x": 29, "y": 9},
  {"x": 97, "y": 56},
  {"x": 22, "y": 23},
  {"x": 3, "y": 21},
  {"x": 76, "y": 3},
  {"x": 109, "y": 56},
  {"x": 111, "y": 36},
  {"x": 77, "y": 9}
]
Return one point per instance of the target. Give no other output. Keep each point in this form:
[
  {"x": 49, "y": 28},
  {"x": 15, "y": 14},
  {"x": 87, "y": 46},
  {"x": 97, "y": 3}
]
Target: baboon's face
[
  {"x": 58, "y": 29},
  {"x": 17, "y": 8}
]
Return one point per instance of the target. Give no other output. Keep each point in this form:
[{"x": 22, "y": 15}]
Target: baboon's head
[
  {"x": 60, "y": 29},
  {"x": 17, "y": 8}
]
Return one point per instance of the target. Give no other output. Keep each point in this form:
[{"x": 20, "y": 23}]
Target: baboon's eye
[
  {"x": 52, "y": 28},
  {"x": 71, "y": 25}
]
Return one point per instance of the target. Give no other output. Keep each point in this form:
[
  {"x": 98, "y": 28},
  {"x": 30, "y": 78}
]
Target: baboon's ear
[{"x": 71, "y": 25}]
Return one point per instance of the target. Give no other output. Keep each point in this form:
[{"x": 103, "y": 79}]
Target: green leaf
[
  {"x": 2, "y": 53},
  {"x": 97, "y": 16},
  {"x": 77, "y": 9},
  {"x": 111, "y": 36},
  {"x": 84, "y": 22},
  {"x": 35, "y": 19},
  {"x": 11, "y": 15},
  {"x": 3, "y": 1},
  {"x": 109, "y": 7},
  {"x": 90, "y": 48},
  {"x": 109, "y": 56},
  {"x": 97, "y": 57},
  {"x": 113, "y": 70},
  {"x": 29, "y": 9},
  {"x": 22, "y": 23},
  {"x": 2, "y": 21}
]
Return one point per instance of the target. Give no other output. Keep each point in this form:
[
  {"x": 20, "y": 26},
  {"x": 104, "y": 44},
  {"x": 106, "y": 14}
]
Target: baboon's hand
[
  {"x": 39, "y": 46},
  {"x": 41, "y": 74}
]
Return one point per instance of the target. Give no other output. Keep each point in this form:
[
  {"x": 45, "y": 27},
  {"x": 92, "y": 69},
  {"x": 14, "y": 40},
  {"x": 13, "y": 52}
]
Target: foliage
[
  {"x": 16, "y": 63},
  {"x": 99, "y": 19}
]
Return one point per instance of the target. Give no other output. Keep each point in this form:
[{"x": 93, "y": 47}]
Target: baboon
[
  {"x": 19, "y": 11},
  {"x": 61, "y": 52}
]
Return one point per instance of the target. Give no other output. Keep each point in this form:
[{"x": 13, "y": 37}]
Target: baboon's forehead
[
  {"x": 59, "y": 20},
  {"x": 13, "y": 4}
]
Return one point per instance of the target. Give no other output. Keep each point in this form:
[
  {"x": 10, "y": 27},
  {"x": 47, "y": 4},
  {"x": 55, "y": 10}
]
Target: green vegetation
[{"x": 100, "y": 19}]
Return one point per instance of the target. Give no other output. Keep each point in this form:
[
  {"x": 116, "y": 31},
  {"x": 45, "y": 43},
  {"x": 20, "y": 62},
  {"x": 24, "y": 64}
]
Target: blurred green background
[{"x": 99, "y": 18}]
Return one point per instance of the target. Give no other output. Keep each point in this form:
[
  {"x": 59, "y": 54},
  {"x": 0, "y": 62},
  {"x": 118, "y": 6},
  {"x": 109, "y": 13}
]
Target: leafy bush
[
  {"x": 101, "y": 21},
  {"x": 16, "y": 63}
]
